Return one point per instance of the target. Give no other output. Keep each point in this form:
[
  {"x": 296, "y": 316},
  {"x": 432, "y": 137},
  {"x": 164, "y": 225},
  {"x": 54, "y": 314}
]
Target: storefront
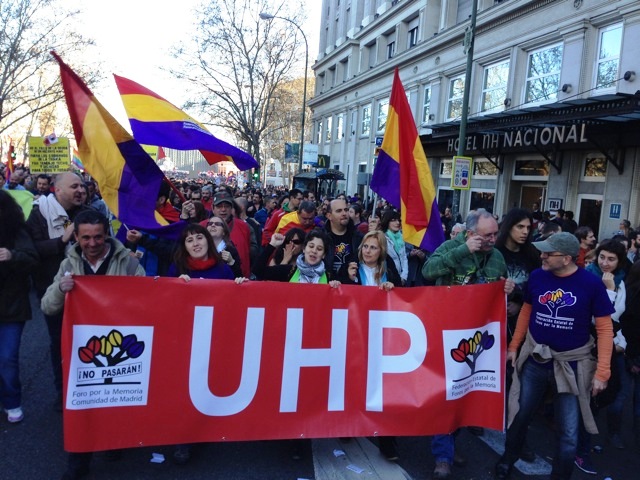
[{"x": 579, "y": 155}]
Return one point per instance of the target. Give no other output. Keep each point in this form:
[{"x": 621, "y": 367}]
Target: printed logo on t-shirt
[{"x": 555, "y": 301}]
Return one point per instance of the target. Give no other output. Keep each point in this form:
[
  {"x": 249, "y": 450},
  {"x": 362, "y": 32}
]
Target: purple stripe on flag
[
  {"x": 188, "y": 136},
  {"x": 386, "y": 179},
  {"x": 432, "y": 238}
]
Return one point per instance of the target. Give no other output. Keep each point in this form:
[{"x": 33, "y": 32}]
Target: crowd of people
[{"x": 573, "y": 309}]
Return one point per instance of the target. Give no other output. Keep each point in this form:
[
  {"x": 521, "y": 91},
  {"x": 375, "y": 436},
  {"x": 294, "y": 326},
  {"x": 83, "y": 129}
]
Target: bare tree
[
  {"x": 238, "y": 64},
  {"x": 29, "y": 79}
]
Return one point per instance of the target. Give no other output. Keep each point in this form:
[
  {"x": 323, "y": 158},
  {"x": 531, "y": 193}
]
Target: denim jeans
[
  {"x": 442, "y": 447},
  {"x": 534, "y": 380},
  {"x": 10, "y": 388},
  {"x": 625, "y": 385},
  {"x": 54, "y": 325}
]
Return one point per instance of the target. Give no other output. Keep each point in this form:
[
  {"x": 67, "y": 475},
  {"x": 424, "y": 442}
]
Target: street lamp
[{"x": 267, "y": 16}]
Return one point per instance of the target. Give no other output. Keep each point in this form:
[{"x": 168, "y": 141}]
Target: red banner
[{"x": 160, "y": 361}]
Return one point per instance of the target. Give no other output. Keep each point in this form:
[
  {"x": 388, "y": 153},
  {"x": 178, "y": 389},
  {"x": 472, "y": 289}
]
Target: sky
[{"x": 134, "y": 39}]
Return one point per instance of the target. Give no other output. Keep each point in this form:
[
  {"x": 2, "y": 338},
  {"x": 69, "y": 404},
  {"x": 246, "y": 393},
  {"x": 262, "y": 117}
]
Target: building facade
[{"x": 554, "y": 111}]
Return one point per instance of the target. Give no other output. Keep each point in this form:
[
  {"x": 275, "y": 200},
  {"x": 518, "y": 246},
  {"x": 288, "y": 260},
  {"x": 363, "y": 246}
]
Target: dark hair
[
  {"x": 181, "y": 256},
  {"x": 47, "y": 177},
  {"x": 90, "y": 216},
  {"x": 321, "y": 235},
  {"x": 11, "y": 219},
  {"x": 164, "y": 190},
  {"x": 568, "y": 214},
  {"x": 387, "y": 217},
  {"x": 201, "y": 212},
  {"x": 512, "y": 218},
  {"x": 279, "y": 253},
  {"x": 294, "y": 192},
  {"x": 615, "y": 247},
  {"x": 582, "y": 232},
  {"x": 356, "y": 208},
  {"x": 549, "y": 228},
  {"x": 307, "y": 206}
]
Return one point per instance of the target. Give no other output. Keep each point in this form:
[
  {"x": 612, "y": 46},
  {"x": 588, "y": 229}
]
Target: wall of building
[{"x": 507, "y": 30}]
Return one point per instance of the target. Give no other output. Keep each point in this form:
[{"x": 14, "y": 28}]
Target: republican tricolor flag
[
  {"x": 402, "y": 175},
  {"x": 155, "y": 121},
  {"x": 129, "y": 179}
]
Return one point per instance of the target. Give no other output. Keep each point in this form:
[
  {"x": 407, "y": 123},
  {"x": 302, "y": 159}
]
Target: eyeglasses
[
  {"x": 488, "y": 236},
  {"x": 215, "y": 224},
  {"x": 295, "y": 241}
]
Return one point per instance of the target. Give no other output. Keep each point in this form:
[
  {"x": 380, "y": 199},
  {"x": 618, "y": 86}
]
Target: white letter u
[{"x": 201, "y": 396}]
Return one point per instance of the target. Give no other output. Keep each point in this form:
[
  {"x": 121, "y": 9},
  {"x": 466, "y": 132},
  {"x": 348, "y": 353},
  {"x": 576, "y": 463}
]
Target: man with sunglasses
[
  {"x": 469, "y": 258},
  {"x": 554, "y": 334}
]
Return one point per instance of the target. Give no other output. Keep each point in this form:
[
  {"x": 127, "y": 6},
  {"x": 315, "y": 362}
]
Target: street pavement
[{"x": 32, "y": 449}]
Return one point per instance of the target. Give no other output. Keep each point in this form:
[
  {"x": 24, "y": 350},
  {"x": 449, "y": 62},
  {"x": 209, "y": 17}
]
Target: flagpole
[
  {"x": 468, "y": 43},
  {"x": 175, "y": 189}
]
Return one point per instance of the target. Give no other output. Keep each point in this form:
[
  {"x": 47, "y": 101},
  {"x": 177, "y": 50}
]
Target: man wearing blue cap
[{"x": 554, "y": 330}]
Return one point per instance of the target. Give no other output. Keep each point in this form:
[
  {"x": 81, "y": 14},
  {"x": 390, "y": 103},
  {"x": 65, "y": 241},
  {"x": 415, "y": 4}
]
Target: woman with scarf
[
  {"x": 609, "y": 266},
  {"x": 309, "y": 266},
  {"x": 196, "y": 257},
  {"x": 376, "y": 269},
  {"x": 220, "y": 233},
  {"x": 396, "y": 247}
]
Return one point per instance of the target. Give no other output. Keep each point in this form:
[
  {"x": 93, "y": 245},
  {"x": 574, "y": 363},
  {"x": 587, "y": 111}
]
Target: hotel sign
[{"x": 523, "y": 137}]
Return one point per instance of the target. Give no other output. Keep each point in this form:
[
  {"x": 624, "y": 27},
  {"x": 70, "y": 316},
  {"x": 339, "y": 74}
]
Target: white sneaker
[{"x": 14, "y": 415}]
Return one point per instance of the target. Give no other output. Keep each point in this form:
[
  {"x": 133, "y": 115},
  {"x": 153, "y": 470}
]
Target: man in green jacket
[{"x": 469, "y": 258}]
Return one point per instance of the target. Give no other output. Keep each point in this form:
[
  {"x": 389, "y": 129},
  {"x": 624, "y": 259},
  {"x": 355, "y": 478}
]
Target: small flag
[{"x": 75, "y": 159}]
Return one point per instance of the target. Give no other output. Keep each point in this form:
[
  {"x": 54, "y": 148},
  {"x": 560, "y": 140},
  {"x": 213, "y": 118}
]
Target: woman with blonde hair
[{"x": 375, "y": 268}]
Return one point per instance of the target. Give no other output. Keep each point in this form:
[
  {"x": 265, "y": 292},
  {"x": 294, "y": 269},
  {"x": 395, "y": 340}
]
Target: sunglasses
[
  {"x": 216, "y": 224},
  {"x": 295, "y": 241}
]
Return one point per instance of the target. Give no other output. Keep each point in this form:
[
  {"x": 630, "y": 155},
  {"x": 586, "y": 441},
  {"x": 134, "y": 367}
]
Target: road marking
[{"x": 496, "y": 440}]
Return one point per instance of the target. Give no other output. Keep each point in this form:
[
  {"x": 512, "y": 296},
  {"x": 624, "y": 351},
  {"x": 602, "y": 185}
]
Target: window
[
  {"x": 328, "y": 132},
  {"x": 456, "y": 92},
  {"x": 339, "y": 127},
  {"x": 412, "y": 38},
  {"x": 319, "y": 133},
  {"x": 482, "y": 199},
  {"x": 426, "y": 105},
  {"x": 391, "y": 48},
  {"x": 543, "y": 74},
  {"x": 383, "y": 110},
  {"x": 366, "y": 121},
  {"x": 494, "y": 87},
  {"x": 484, "y": 169},
  {"x": 412, "y": 32},
  {"x": 446, "y": 168},
  {"x": 609, "y": 56},
  {"x": 530, "y": 170},
  {"x": 595, "y": 169}
]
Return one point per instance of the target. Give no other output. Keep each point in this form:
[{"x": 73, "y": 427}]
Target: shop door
[
  {"x": 533, "y": 193},
  {"x": 590, "y": 212}
]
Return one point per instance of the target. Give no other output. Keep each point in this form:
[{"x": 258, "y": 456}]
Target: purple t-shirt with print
[{"x": 562, "y": 307}]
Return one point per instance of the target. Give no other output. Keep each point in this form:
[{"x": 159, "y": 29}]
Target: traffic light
[{"x": 256, "y": 174}]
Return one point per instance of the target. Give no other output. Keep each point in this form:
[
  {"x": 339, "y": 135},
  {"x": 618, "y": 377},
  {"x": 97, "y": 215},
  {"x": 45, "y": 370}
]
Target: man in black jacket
[{"x": 51, "y": 227}]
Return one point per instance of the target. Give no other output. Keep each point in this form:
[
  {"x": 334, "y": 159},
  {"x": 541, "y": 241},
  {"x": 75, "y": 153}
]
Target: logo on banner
[
  {"x": 109, "y": 370},
  {"x": 472, "y": 360}
]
